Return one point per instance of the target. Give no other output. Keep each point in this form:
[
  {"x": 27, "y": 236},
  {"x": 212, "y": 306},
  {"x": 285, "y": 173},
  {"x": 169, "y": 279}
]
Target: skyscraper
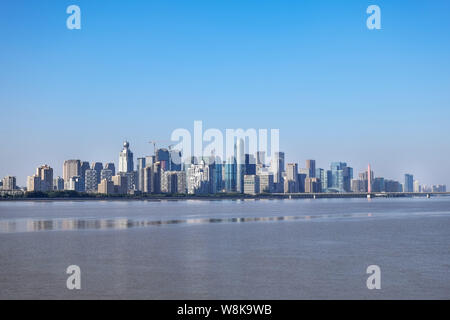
[
  {"x": 112, "y": 167},
  {"x": 98, "y": 167},
  {"x": 71, "y": 168},
  {"x": 341, "y": 177},
  {"x": 45, "y": 173},
  {"x": 230, "y": 175},
  {"x": 140, "y": 168},
  {"x": 311, "y": 166},
  {"x": 409, "y": 183},
  {"x": 126, "y": 159},
  {"x": 240, "y": 165}
]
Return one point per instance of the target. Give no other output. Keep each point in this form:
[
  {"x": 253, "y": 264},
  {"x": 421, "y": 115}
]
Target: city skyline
[
  {"x": 335, "y": 89},
  {"x": 167, "y": 171}
]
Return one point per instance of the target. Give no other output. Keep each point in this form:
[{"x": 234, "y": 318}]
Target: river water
[{"x": 227, "y": 249}]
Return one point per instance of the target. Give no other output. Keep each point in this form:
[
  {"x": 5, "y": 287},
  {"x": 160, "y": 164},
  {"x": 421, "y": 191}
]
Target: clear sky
[{"x": 137, "y": 70}]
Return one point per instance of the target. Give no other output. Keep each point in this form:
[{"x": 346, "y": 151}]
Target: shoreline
[{"x": 229, "y": 197}]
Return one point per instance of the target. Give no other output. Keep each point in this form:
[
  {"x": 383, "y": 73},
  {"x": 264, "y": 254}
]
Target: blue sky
[{"x": 137, "y": 70}]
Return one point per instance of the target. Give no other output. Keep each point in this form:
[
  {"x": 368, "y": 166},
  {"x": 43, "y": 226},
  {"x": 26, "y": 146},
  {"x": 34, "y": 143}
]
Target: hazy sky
[{"x": 137, "y": 70}]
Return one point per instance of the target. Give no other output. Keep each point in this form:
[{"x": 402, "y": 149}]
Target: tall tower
[
  {"x": 240, "y": 169},
  {"x": 369, "y": 179},
  {"x": 126, "y": 159}
]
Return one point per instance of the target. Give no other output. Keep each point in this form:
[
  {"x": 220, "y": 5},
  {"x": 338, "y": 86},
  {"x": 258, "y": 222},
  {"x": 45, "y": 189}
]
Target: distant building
[
  {"x": 71, "y": 168},
  {"x": 58, "y": 184},
  {"x": 106, "y": 187},
  {"x": 251, "y": 184},
  {"x": 120, "y": 184},
  {"x": 106, "y": 174},
  {"x": 90, "y": 178},
  {"x": 76, "y": 183},
  {"x": 312, "y": 185},
  {"x": 98, "y": 167},
  {"x": 291, "y": 184},
  {"x": 357, "y": 185},
  {"x": 240, "y": 165},
  {"x": 126, "y": 159},
  {"x": 198, "y": 178},
  {"x": 140, "y": 167},
  {"x": 311, "y": 167},
  {"x": 417, "y": 187},
  {"x": 266, "y": 184},
  {"x": 33, "y": 183},
  {"x": 148, "y": 179},
  {"x": 230, "y": 175},
  {"x": 110, "y": 166},
  {"x": 45, "y": 173},
  {"x": 409, "y": 183},
  {"x": 169, "y": 182},
  {"x": 181, "y": 182},
  {"x": 341, "y": 176}
]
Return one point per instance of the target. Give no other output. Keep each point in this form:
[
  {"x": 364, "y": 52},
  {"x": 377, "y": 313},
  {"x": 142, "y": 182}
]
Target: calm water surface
[{"x": 263, "y": 249}]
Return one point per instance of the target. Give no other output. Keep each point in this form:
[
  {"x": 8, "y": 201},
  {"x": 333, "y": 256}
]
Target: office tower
[
  {"x": 140, "y": 166},
  {"x": 156, "y": 177},
  {"x": 126, "y": 159},
  {"x": 58, "y": 184},
  {"x": 369, "y": 179},
  {"x": 291, "y": 182},
  {"x": 304, "y": 171},
  {"x": 169, "y": 182},
  {"x": 162, "y": 156},
  {"x": 218, "y": 174},
  {"x": 120, "y": 184},
  {"x": 439, "y": 188},
  {"x": 266, "y": 184},
  {"x": 175, "y": 160},
  {"x": 230, "y": 175},
  {"x": 312, "y": 185},
  {"x": 106, "y": 186},
  {"x": 149, "y": 161},
  {"x": 33, "y": 183},
  {"x": 45, "y": 173},
  {"x": 277, "y": 167},
  {"x": 409, "y": 183},
  {"x": 392, "y": 186},
  {"x": 181, "y": 182},
  {"x": 198, "y": 178},
  {"x": 341, "y": 177},
  {"x": 71, "y": 168},
  {"x": 210, "y": 162},
  {"x": 131, "y": 178},
  {"x": 98, "y": 167},
  {"x": 261, "y": 158},
  {"x": 148, "y": 179},
  {"x": 83, "y": 167},
  {"x": 250, "y": 164},
  {"x": 90, "y": 180},
  {"x": 75, "y": 183},
  {"x": 112, "y": 167},
  {"x": 377, "y": 185},
  {"x": 251, "y": 184},
  {"x": 301, "y": 182},
  {"x": 106, "y": 174},
  {"x": 417, "y": 187},
  {"x": 357, "y": 185},
  {"x": 240, "y": 165},
  {"x": 311, "y": 167}
]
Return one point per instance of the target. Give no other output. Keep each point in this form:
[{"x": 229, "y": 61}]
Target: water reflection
[{"x": 35, "y": 225}]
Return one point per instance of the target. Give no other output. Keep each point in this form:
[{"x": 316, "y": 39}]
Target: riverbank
[{"x": 222, "y": 196}]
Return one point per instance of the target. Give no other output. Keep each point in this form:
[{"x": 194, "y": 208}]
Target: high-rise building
[
  {"x": 250, "y": 164},
  {"x": 169, "y": 182},
  {"x": 98, "y": 167},
  {"x": 341, "y": 177},
  {"x": 156, "y": 171},
  {"x": 251, "y": 184},
  {"x": 312, "y": 185},
  {"x": 175, "y": 160},
  {"x": 71, "y": 168},
  {"x": 240, "y": 165},
  {"x": 106, "y": 174},
  {"x": 277, "y": 167},
  {"x": 126, "y": 159},
  {"x": 291, "y": 184},
  {"x": 417, "y": 186},
  {"x": 120, "y": 184},
  {"x": 266, "y": 184},
  {"x": 75, "y": 183},
  {"x": 409, "y": 183},
  {"x": 90, "y": 180},
  {"x": 106, "y": 186},
  {"x": 140, "y": 168},
  {"x": 163, "y": 157},
  {"x": 83, "y": 167},
  {"x": 261, "y": 158},
  {"x": 45, "y": 173},
  {"x": 181, "y": 182},
  {"x": 58, "y": 184},
  {"x": 148, "y": 179},
  {"x": 230, "y": 175},
  {"x": 198, "y": 178},
  {"x": 311, "y": 167},
  {"x": 33, "y": 183},
  {"x": 112, "y": 167}
]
